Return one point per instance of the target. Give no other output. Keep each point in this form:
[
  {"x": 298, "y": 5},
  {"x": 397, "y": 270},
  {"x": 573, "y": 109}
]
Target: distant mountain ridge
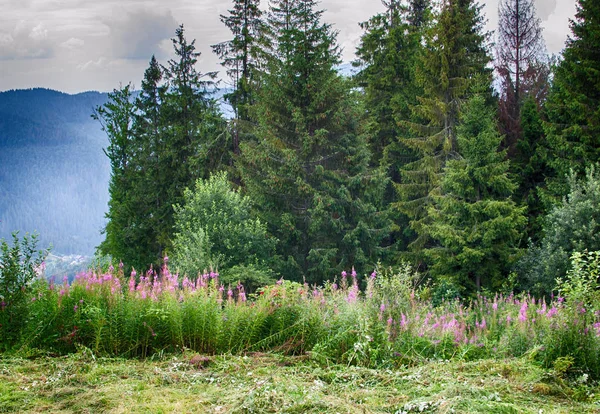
[{"x": 53, "y": 172}]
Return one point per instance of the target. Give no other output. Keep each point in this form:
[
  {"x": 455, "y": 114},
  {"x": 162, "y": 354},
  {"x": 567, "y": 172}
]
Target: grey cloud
[
  {"x": 545, "y": 8},
  {"x": 26, "y": 41},
  {"x": 138, "y": 34}
]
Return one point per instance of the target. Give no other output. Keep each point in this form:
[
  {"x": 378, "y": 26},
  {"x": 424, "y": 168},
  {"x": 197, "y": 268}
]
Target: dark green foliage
[
  {"x": 573, "y": 105},
  {"x": 455, "y": 56},
  {"x": 530, "y": 166},
  {"x": 572, "y": 226},
  {"x": 116, "y": 118},
  {"x": 171, "y": 135},
  {"x": 20, "y": 265},
  {"x": 387, "y": 56},
  {"x": 192, "y": 146},
  {"x": 239, "y": 55},
  {"x": 475, "y": 225},
  {"x": 215, "y": 230},
  {"x": 308, "y": 171}
]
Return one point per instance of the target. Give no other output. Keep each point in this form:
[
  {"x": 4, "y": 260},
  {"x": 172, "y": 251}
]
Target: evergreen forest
[{"x": 468, "y": 156}]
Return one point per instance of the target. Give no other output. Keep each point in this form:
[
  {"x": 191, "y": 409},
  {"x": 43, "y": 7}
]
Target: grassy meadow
[{"x": 110, "y": 342}]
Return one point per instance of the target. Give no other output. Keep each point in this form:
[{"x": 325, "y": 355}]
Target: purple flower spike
[{"x": 374, "y": 274}]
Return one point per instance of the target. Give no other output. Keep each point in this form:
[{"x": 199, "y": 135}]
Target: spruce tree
[
  {"x": 239, "y": 55},
  {"x": 307, "y": 170},
  {"x": 149, "y": 128},
  {"x": 192, "y": 139},
  {"x": 475, "y": 226},
  {"x": 387, "y": 58},
  {"x": 573, "y": 105},
  {"x": 520, "y": 51},
  {"x": 454, "y": 58},
  {"x": 116, "y": 118}
]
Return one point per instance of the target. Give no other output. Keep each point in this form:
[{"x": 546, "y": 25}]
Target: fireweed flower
[{"x": 523, "y": 312}]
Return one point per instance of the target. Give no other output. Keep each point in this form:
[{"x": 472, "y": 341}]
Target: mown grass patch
[{"x": 272, "y": 383}]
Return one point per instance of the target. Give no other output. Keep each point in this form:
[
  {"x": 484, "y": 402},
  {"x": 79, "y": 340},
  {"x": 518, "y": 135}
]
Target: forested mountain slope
[{"x": 53, "y": 172}]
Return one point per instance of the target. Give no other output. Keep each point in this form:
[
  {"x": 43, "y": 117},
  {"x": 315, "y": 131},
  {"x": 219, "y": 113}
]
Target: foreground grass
[{"x": 270, "y": 383}]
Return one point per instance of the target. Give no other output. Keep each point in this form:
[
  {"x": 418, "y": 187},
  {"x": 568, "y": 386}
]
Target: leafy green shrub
[
  {"x": 572, "y": 226},
  {"x": 215, "y": 230},
  {"x": 20, "y": 264},
  {"x": 572, "y": 335}
]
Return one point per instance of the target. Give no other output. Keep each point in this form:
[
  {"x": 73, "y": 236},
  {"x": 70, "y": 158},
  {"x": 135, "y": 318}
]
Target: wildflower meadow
[{"x": 377, "y": 320}]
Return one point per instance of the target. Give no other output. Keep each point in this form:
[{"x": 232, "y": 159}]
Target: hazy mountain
[{"x": 53, "y": 172}]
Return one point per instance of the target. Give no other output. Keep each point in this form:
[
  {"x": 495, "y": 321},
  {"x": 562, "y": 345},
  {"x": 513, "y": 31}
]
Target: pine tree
[
  {"x": 455, "y": 57},
  {"x": 573, "y": 105},
  {"x": 116, "y": 118},
  {"x": 149, "y": 197},
  {"x": 307, "y": 170},
  {"x": 239, "y": 55},
  {"x": 192, "y": 138},
  {"x": 387, "y": 58},
  {"x": 475, "y": 225},
  {"x": 519, "y": 51}
]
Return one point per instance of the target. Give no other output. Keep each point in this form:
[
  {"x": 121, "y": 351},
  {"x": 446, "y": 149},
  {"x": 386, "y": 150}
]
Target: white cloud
[
  {"x": 93, "y": 64},
  {"x": 26, "y": 41},
  {"x": 73, "y": 43}
]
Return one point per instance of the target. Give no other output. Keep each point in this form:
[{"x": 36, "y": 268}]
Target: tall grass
[{"x": 389, "y": 323}]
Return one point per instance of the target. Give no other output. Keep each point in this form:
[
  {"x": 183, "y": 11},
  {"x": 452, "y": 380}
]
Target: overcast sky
[{"x": 79, "y": 45}]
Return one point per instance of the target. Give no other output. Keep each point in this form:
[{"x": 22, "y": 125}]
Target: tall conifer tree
[
  {"x": 240, "y": 56},
  {"x": 573, "y": 106},
  {"x": 116, "y": 118},
  {"x": 387, "y": 57},
  {"x": 520, "y": 51},
  {"x": 475, "y": 226},
  {"x": 454, "y": 58},
  {"x": 307, "y": 172},
  {"x": 192, "y": 147}
]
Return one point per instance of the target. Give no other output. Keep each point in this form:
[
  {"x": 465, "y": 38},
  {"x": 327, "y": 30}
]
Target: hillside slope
[{"x": 53, "y": 172}]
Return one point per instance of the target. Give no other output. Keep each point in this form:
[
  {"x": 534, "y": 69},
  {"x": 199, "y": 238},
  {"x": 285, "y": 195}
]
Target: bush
[
  {"x": 215, "y": 230},
  {"x": 19, "y": 267},
  {"x": 575, "y": 333},
  {"x": 573, "y": 226}
]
